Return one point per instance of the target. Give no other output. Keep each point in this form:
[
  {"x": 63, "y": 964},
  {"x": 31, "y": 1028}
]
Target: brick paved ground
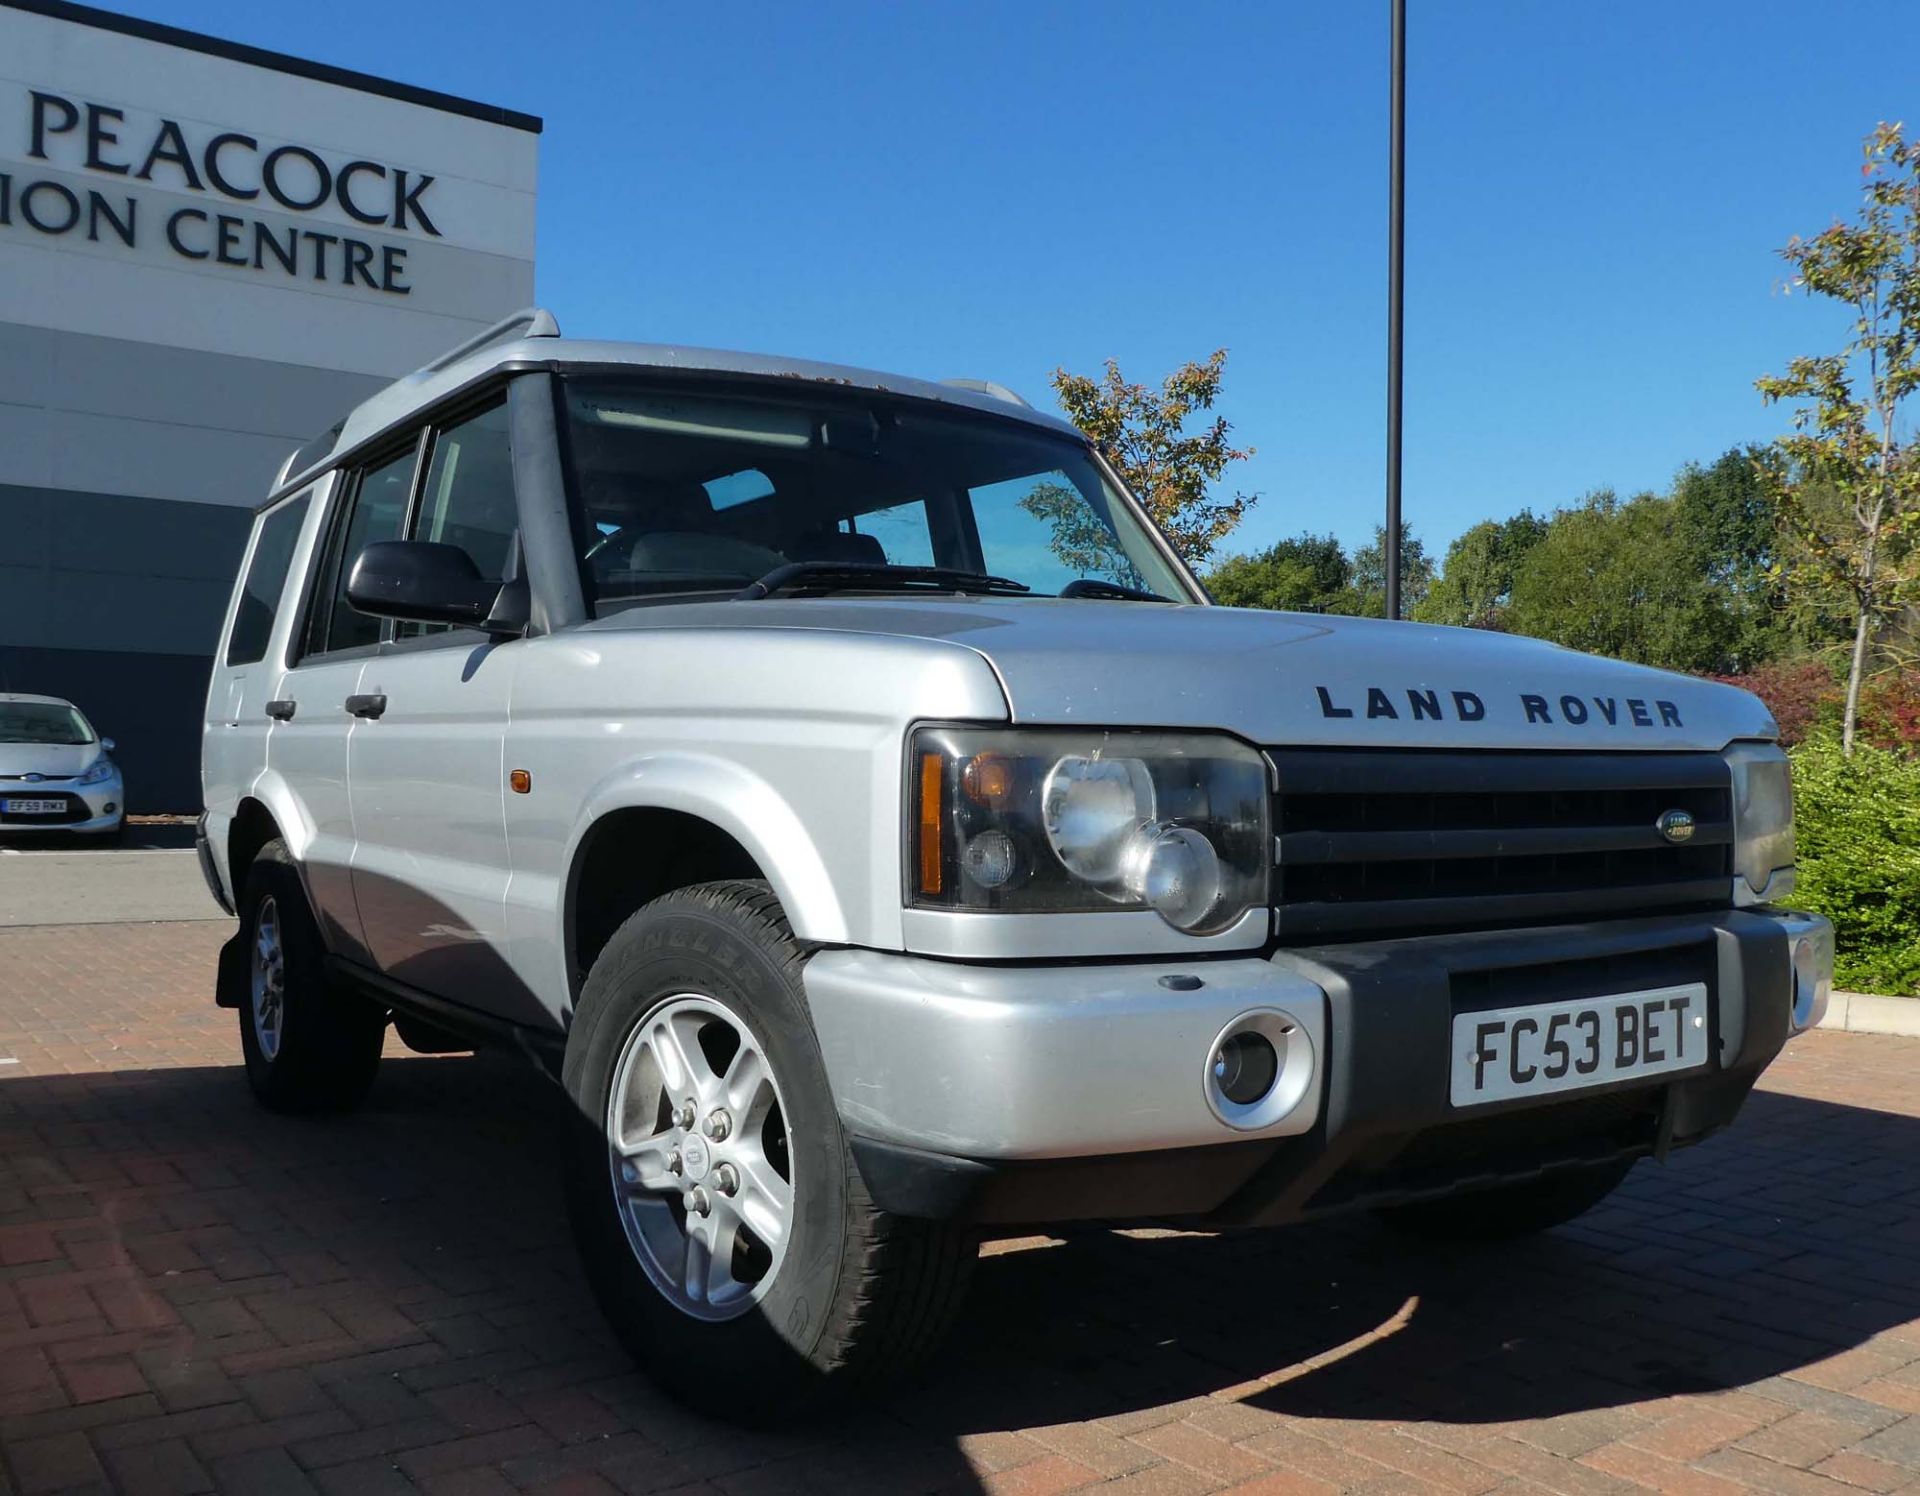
[{"x": 196, "y": 1296}]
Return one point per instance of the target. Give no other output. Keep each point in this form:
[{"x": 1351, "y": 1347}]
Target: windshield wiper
[
  {"x": 842, "y": 576},
  {"x": 1100, "y": 587}
]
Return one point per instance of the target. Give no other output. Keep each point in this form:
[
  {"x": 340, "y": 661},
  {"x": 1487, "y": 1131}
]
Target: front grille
[
  {"x": 76, "y": 808},
  {"x": 1673, "y": 963},
  {"x": 1376, "y": 843}
]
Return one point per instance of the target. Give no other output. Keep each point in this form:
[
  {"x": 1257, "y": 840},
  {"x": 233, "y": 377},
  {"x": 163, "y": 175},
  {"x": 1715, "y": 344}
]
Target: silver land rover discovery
[{"x": 835, "y": 781}]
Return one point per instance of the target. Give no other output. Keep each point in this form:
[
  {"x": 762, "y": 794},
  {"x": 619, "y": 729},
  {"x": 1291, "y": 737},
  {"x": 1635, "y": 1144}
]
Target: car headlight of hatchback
[
  {"x": 1007, "y": 820},
  {"x": 100, "y": 771},
  {"x": 1762, "y": 812}
]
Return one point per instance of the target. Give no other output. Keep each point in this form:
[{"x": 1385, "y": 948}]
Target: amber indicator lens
[
  {"x": 988, "y": 780},
  {"x": 520, "y": 781},
  {"x": 931, "y": 852}
]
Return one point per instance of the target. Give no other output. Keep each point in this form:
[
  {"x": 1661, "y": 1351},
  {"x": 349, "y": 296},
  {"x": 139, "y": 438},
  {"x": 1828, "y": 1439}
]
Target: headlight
[
  {"x": 1762, "y": 812},
  {"x": 1026, "y": 822},
  {"x": 100, "y": 773}
]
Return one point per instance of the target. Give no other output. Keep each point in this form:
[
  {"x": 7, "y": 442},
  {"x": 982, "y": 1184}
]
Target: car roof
[
  {"x": 31, "y": 700},
  {"x": 531, "y": 339}
]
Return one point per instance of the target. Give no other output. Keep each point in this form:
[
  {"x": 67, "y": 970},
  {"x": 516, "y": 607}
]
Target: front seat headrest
[{"x": 838, "y": 545}]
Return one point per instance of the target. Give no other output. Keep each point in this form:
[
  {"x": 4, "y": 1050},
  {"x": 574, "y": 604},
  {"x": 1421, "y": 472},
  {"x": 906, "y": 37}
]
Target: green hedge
[{"x": 1857, "y": 827}]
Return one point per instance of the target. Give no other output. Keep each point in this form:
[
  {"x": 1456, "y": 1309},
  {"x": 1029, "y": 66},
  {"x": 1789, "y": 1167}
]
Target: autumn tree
[
  {"x": 1850, "y": 497},
  {"x": 1143, "y": 433}
]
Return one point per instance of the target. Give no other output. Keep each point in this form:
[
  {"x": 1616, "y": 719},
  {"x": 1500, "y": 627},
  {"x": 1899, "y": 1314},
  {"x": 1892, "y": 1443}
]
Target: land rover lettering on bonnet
[
  {"x": 1426, "y": 704},
  {"x": 839, "y": 787}
]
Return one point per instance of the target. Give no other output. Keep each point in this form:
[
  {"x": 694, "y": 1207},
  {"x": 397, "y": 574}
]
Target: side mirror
[
  {"x": 424, "y": 581},
  {"x": 107, "y": 745}
]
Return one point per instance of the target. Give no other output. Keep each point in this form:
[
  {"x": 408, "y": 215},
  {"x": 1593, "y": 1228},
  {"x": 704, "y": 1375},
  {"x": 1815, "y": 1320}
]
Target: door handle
[
  {"x": 281, "y": 711},
  {"x": 371, "y": 705}
]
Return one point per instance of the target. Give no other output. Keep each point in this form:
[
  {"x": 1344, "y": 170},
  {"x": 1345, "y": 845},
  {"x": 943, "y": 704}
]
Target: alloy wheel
[
  {"x": 269, "y": 978},
  {"x": 697, "y": 1148}
]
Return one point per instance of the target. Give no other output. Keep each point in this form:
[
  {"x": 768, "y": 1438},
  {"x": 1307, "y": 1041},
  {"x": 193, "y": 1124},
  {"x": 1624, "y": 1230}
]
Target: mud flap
[
  {"x": 426, "y": 1038},
  {"x": 230, "y": 976},
  {"x": 1663, "y": 1138}
]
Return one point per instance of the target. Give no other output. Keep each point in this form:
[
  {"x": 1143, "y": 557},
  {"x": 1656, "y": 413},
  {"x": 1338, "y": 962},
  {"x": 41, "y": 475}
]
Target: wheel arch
[
  {"x": 267, "y": 810},
  {"x": 673, "y": 820},
  {"x": 253, "y": 825}
]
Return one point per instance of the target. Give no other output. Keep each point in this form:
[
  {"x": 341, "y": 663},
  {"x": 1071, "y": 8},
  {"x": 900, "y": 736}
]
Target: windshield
[
  {"x": 43, "y": 722},
  {"x": 687, "y": 493}
]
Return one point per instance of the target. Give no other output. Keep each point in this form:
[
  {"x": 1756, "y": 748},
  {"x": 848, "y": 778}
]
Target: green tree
[
  {"x": 1305, "y": 574},
  {"x": 1620, "y": 579},
  {"x": 1476, "y": 579},
  {"x": 1728, "y": 526},
  {"x": 1366, "y": 590},
  {"x": 1851, "y": 491},
  {"x": 1143, "y": 433}
]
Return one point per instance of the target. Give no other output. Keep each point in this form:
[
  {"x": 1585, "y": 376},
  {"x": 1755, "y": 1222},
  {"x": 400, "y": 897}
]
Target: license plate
[
  {"x": 33, "y": 807},
  {"x": 1591, "y": 1041}
]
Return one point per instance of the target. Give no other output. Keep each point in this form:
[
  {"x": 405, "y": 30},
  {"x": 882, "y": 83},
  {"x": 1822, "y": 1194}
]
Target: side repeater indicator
[{"x": 520, "y": 781}]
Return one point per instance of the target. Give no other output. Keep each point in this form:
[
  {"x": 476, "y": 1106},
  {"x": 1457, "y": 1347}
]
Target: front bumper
[
  {"x": 95, "y": 808},
  {"x": 1045, "y": 1094}
]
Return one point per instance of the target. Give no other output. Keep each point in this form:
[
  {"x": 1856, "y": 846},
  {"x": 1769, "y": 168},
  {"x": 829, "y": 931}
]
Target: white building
[{"x": 207, "y": 254}]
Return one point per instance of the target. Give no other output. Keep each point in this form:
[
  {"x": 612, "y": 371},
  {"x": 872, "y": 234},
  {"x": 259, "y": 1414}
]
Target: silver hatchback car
[{"x": 56, "y": 772}]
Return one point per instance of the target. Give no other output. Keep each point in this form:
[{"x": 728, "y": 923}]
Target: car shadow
[
  {"x": 421, "y": 1245},
  {"x": 1787, "y": 1241}
]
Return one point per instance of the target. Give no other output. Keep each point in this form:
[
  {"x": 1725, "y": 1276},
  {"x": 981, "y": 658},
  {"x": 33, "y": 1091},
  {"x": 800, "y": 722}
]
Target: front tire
[
  {"x": 724, "y": 1226},
  {"x": 1508, "y": 1211},
  {"x": 309, "y": 1046}
]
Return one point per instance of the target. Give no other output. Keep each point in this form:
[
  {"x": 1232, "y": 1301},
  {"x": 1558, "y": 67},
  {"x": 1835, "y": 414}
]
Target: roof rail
[
  {"x": 988, "y": 387},
  {"x": 530, "y": 322}
]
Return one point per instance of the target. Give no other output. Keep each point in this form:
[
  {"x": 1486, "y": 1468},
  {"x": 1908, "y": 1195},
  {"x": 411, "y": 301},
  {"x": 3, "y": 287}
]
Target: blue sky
[{"x": 1596, "y": 194}]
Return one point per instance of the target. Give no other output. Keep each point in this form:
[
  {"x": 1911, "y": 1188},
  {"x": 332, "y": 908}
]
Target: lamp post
[{"x": 1396, "y": 296}]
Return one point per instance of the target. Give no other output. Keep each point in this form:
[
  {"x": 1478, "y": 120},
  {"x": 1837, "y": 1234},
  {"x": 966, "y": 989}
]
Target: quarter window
[
  {"x": 379, "y": 513},
  {"x": 468, "y": 498},
  {"x": 266, "y": 580}
]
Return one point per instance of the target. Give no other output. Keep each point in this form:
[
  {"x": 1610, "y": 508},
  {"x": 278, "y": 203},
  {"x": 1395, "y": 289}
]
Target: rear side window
[
  {"x": 379, "y": 512},
  {"x": 266, "y": 580}
]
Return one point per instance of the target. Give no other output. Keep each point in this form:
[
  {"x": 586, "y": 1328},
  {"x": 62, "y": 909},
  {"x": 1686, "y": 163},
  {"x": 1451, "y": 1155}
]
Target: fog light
[
  {"x": 1811, "y": 986},
  {"x": 111, "y": 808},
  {"x": 1258, "y": 1069},
  {"x": 1245, "y": 1068}
]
